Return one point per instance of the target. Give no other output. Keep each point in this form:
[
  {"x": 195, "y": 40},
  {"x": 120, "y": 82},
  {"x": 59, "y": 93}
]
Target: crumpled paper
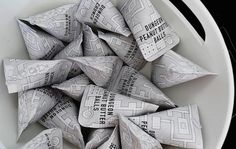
[
  {"x": 47, "y": 139},
  {"x": 98, "y": 137},
  {"x": 74, "y": 87},
  {"x": 93, "y": 46},
  {"x": 33, "y": 104},
  {"x": 64, "y": 116},
  {"x": 74, "y": 49},
  {"x": 133, "y": 84},
  {"x": 23, "y": 75},
  {"x": 101, "y": 70},
  {"x": 126, "y": 48},
  {"x": 153, "y": 35},
  {"x": 40, "y": 45},
  {"x": 59, "y": 22},
  {"x": 113, "y": 142},
  {"x": 172, "y": 69},
  {"x": 102, "y": 14},
  {"x": 177, "y": 127},
  {"x": 99, "y": 108},
  {"x": 132, "y": 137}
]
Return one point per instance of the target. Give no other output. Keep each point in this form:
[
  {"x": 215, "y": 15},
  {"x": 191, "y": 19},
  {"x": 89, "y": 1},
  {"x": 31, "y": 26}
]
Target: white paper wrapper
[
  {"x": 64, "y": 116},
  {"x": 22, "y": 75},
  {"x": 132, "y": 137},
  {"x": 74, "y": 49},
  {"x": 177, "y": 127},
  {"x": 102, "y": 14},
  {"x": 74, "y": 87},
  {"x": 126, "y": 48},
  {"x": 113, "y": 142},
  {"x": 133, "y": 84},
  {"x": 173, "y": 69},
  {"x": 99, "y": 108},
  {"x": 152, "y": 33},
  {"x": 94, "y": 46},
  {"x": 59, "y": 22},
  {"x": 101, "y": 70},
  {"x": 47, "y": 139},
  {"x": 98, "y": 137},
  {"x": 33, "y": 104},
  {"x": 40, "y": 45}
]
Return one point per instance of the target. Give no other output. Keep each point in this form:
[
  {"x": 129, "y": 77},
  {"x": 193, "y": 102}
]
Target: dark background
[{"x": 224, "y": 14}]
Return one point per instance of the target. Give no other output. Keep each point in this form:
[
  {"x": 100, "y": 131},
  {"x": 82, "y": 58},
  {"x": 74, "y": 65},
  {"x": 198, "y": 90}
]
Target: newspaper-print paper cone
[
  {"x": 23, "y": 75},
  {"x": 101, "y": 70},
  {"x": 64, "y": 116},
  {"x": 173, "y": 69},
  {"x": 99, "y": 108},
  {"x": 102, "y": 14},
  {"x": 177, "y": 127},
  {"x": 126, "y": 48},
  {"x": 113, "y": 142},
  {"x": 74, "y": 87},
  {"x": 94, "y": 46},
  {"x": 74, "y": 49},
  {"x": 33, "y": 104},
  {"x": 39, "y": 44},
  {"x": 133, "y": 84},
  {"x": 98, "y": 137},
  {"x": 47, "y": 139},
  {"x": 132, "y": 137},
  {"x": 153, "y": 35},
  {"x": 60, "y": 22}
]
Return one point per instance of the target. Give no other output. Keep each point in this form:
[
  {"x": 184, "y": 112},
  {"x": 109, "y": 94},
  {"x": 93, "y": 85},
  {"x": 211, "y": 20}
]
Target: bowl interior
[{"x": 211, "y": 94}]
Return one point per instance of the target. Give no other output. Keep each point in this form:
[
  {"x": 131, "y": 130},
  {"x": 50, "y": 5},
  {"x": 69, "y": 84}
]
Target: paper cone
[
  {"x": 47, "y": 139},
  {"x": 177, "y": 127},
  {"x": 99, "y": 108},
  {"x": 153, "y": 35},
  {"x": 133, "y": 84},
  {"x": 172, "y": 69},
  {"x": 102, "y": 14},
  {"x": 23, "y": 75},
  {"x": 126, "y": 48},
  {"x": 39, "y": 44},
  {"x": 33, "y": 104},
  {"x": 93, "y": 46},
  {"x": 60, "y": 22},
  {"x": 132, "y": 137},
  {"x": 64, "y": 116},
  {"x": 101, "y": 70},
  {"x": 74, "y": 87}
]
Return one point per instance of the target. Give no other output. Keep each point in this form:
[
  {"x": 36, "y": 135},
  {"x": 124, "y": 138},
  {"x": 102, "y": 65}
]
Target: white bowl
[{"x": 213, "y": 95}]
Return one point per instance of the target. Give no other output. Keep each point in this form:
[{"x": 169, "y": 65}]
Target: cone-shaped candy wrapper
[
  {"x": 126, "y": 48},
  {"x": 64, "y": 116},
  {"x": 101, "y": 70},
  {"x": 33, "y": 104},
  {"x": 40, "y": 45},
  {"x": 98, "y": 137},
  {"x": 172, "y": 69},
  {"x": 60, "y": 22},
  {"x": 22, "y": 75},
  {"x": 177, "y": 127},
  {"x": 133, "y": 84},
  {"x": 132, "y": 137},
  {"x": 152, "y": 33},
  {"x": 74, "y": 87},
  {"x": 74, "y": 49},
  {"x": 99, "y": 108},
  {"x": 113, "y": 142},
  {"x": 47, "y": 139},
  {"x": 102, "y": 14},
  {"x": 94, "y": 46}
]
